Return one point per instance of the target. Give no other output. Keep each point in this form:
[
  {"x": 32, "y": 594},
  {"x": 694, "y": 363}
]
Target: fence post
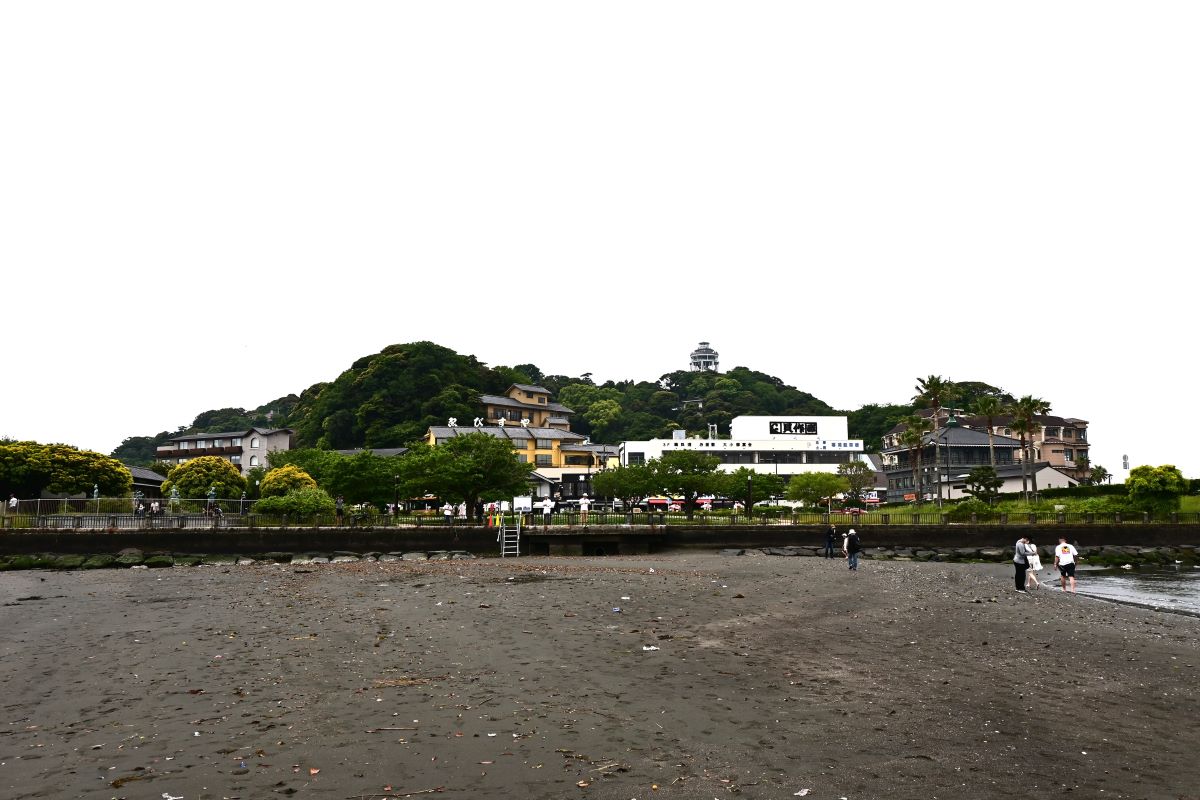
[
  {"x": 1145, "y": 516},
  {"x": 1003, "y": 517},
  {"x": 1062, "y": 517},
  {"x": 1032, "y": 518},
  {"x": 1089, "y": 518},
  {"x": 884, "y": 518},
  {"x": 1117, "y": 517},
  {"x": 1174, "y": 517}
]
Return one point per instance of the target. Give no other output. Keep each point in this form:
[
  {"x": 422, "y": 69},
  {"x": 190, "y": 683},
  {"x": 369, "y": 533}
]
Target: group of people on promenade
[{"x": 1028, "y": 564}]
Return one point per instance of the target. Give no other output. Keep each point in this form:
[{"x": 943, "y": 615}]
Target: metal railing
[{"x": 119, "y": 513}]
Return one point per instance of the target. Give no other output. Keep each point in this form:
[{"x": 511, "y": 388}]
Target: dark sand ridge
[{"x": 518, "y": 679}]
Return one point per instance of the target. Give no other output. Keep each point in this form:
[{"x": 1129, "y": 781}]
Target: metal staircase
[{"x": 509, "y": 537}]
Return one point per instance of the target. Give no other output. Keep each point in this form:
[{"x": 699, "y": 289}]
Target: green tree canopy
[
  {"x": 1156, "y": 488},
  {"x": 299, "y": 502},
  {"x": 194, "y": 477},
  {"x": 750, "y": 486},
  {"x": 811, "y": 488},
  {"x": 688, "y": 473},
  {"x": 627, "y": 484},
  {"x": 282, "y": 480},
  {"x": 859, "y": 477},
  {"x": 983, "y": 483},
  {"x": 464, "y": 469},
  {"x": 28, "y": 468}
]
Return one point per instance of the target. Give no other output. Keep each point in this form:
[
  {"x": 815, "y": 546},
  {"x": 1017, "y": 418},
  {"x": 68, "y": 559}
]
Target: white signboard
[{"x": 523, "y": 503}]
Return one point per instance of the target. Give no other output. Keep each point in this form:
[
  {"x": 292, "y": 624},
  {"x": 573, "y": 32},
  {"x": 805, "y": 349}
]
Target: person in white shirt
[
  {"x": 584, "y": 505},
  {"x": 1065, "y": 555}
]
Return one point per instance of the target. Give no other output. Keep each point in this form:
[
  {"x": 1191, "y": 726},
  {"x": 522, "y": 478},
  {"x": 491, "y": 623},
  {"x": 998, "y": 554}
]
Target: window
[
  {"x": 1081, "y": 434},
  {"x": 520, "y": 444},
  {"x": 1068, "y": 433},
  {"x": 254, "y": 442},
  {"x": 635, "y": 458},
  {"x": 235, "y": 459},
  {"x": 542, "y": 400},
  {"x": 201, "y": 445},
  {"x": 545, "y": 444},
  {"x": 218, "y": 442},
  {"x": 524, "y": 459},
  {"x": 237, "y": 442},
  {"x": 254, "y": 461},
  {"x": 184, "y": 446},
  {"x": 1052, "y": 433},
  {"x": 545, "y": 461},
  {"x": 180, "y": 460}
]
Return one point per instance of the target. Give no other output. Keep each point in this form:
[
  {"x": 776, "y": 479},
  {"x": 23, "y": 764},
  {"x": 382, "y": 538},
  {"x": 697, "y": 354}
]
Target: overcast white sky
[{"x": 214, "y": 204}]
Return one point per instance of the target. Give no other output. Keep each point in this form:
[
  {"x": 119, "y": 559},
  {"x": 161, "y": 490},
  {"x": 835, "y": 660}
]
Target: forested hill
[{"x": 389, "y": 399}]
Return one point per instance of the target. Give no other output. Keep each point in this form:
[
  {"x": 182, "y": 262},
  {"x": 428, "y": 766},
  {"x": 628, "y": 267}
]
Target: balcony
[{"x": 175, "y": 452}]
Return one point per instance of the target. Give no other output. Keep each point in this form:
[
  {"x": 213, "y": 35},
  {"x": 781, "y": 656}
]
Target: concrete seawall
[{"x": 599, "y": 540}]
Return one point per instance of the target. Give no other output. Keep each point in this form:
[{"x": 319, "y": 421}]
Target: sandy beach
[{"x": 682, "y": 676}]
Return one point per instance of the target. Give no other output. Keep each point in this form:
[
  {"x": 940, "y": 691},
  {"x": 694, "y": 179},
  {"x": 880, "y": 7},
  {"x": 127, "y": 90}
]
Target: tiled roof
[
  {"x": 525, "y": 387},
  {"x": 507, "y": 432},
  {"x": 379, "y": 451},
  {"x": 143, "y": 474},
  {"x": 229, "y": 434},
  {"x": 499, "y": 400}
]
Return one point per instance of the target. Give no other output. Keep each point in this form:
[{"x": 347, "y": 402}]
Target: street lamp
[
  {"x": 750, "y": 495},
  {"x": 951, "y": 422}
]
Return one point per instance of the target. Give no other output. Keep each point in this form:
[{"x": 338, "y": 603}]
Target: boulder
[
  {"x": 129, "y": 558},
  {"x": 158, "y": 561},
  {"x": 344, "y": 559},
  {"x": 69, "y": 562},
  {"x": 415, "y": 556},
  {"x": 389, "y": 557},
  {"x": 99, "y": 562},
  {"x": 218, "y": 560}
]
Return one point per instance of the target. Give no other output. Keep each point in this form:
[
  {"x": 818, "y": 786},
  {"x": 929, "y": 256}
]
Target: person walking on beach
[
  {"x": 830, "y": 538},
  {"x": 1020, "y": 563},
  {"x": 1034, "y": 565},
  {"x": 1065, "y": 556},
  {"x": 852, "y": 547}
]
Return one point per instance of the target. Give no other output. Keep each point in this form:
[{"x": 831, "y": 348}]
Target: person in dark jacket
[{"x": 830, "y": 540}]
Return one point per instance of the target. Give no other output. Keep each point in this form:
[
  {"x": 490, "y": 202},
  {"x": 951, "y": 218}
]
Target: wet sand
[{"x": 519, "y": 678}]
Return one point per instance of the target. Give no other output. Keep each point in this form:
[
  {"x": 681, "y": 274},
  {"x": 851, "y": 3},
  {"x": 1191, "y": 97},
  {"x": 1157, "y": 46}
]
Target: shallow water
[{"x": 1175, "y": 590}]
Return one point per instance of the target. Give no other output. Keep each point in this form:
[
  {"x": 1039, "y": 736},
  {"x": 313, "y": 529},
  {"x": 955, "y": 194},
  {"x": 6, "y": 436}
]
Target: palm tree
[
  {"x": 989, "y": 407},
  {"x": 913, "y": 438},
  {"x": 1025, "y": 411},
  {"x": 935, "y": 391},
  {"x": 1021, "y": 427}
]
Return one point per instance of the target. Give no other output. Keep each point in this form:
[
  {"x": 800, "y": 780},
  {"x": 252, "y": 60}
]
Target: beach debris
[
  {"x": 584, "y": 784},
  {"x": 616, "y": 609},
  {"x": 1128, "y": 566},
  {"x": 313, "y": 770},
  {"x": 652, "y": 570},
  {"x": 649, "y": 647},
  {"x": 626, "y": 598},
  {"x": 168, "y": 796},
  {"x": 485, "y": 605},
  {"x": 802, "y": 793}
]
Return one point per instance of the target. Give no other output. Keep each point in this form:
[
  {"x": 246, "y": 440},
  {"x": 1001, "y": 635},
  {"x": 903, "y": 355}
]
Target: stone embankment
[
  {"x": 1101, "y": 556},
  {"x": 131, "y": 557}
]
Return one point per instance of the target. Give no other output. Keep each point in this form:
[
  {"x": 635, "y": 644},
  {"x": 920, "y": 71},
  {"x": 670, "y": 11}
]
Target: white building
[{"x": 780, "y": 445}]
